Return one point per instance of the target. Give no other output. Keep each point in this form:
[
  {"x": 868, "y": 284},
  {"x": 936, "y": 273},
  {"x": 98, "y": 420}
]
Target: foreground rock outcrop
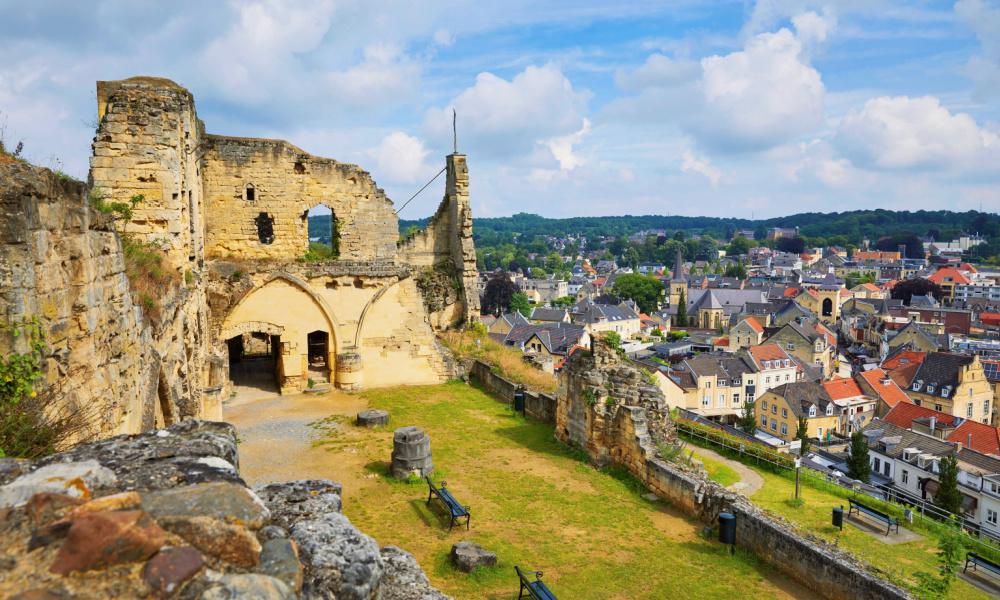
[{"x": 166, "y": 514}]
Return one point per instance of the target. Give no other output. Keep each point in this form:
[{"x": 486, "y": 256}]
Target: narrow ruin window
[
  {"x": 251, "y": 194},
  {"x": 323, "y": 232},
  {"x": 265, "y": 228},
  {"x": 299, "y": 167}
]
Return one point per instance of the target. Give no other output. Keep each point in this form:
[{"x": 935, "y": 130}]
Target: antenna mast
[{"x": 454, "y": 130}]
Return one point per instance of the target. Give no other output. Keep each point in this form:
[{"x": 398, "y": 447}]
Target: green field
[{"x": 538, "y": 505}]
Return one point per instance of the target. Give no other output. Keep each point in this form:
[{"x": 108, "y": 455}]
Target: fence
[{"x": 905, "y": 505}]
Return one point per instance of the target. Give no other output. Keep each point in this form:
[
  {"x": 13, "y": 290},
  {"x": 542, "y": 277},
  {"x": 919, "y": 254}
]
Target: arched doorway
[{"x": 254, "y": 360}]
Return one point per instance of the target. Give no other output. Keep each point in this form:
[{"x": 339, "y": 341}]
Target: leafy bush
[
  {"x": 504, "y": 360},
  {"x": 722, "y": 438}
]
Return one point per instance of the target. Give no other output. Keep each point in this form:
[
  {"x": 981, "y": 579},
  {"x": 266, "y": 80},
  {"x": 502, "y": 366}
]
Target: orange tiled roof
[
  {"x": 967, "y": 267},
  {"x": 791, "y": 292},
  {"x": 990, "y": 318},
  {"x": 871, "y": 287},
  {"x": 755, "y": 324},
  {"x": 842, "y": 388},
  {"x": 956, "y": 276},
  {"x": 902, "y": 415},
  {"x": 984, "y": 438},
  {"x": 767, "y": 352},
  {"x": 891, "y": 393},
  {"x": 903, "y": 358},
  {"x": 831, "y": 338},
  {"x": 722, "y": 341}
]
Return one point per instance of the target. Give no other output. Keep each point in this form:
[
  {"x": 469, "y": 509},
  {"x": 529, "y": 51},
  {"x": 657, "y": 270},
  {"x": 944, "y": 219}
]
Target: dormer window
[
  {"x": 917, "y": 385},
  {"x": 930, "y": 388},
  {"x": 945, "y": 391},
  {"x": 812, "y": 411},
  {"x": 829, "y": 409}
]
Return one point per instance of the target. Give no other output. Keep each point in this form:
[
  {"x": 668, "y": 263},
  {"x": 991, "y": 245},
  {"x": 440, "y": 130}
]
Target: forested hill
[{"x": 854, "y": 225}]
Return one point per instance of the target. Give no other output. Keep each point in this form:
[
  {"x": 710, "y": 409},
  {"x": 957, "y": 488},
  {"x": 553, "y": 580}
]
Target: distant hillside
[{"x": 855, "y": 225}]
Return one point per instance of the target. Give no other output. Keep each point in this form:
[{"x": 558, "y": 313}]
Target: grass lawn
[
  {"x": 899, "y": 561},
  {"x": 718, "y": 472},
  {"x": 536, "y": 504}
]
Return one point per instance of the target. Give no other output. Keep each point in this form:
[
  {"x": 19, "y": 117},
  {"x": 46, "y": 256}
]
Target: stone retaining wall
[{"x": 537, "y": 405}]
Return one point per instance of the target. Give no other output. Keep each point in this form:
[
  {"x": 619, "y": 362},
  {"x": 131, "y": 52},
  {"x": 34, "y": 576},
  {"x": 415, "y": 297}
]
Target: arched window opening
[
  {"x": 827, "y": 307},
  {"x": 265, "y": 228},
  {"x": 323, "y": 230},
  {"x": 251, "y": 194}
]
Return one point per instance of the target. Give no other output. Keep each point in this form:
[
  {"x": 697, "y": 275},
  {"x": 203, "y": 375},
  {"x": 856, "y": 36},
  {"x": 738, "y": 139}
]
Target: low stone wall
[
  {"x": 611, "y": 413},
  {"x": 537, "y": 405}
]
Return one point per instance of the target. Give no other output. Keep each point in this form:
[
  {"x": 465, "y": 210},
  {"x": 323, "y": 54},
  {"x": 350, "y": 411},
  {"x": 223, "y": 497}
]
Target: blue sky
[{"x": 564, "y": 108}]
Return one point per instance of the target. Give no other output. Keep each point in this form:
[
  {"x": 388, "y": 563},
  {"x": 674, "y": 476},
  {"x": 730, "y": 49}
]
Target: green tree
[
  {"x": 858, "y": 465},
  {"x": 632, "y": 258},
  {"x": 748, "y": 420},
  {"x": 737, "y": 270},
  {"x": 739, "y": 245},
  {"x": 645, "y": 290},
  {"x": 519, "y": 303},
  {"x": 951, "y": 552},
  {"x": 682, "y": 311},
  {"x": 948, "y": 497},
  {"x": 498, "y": 294},
  {"x": 613, "y": 339},
  {"x": 803, "y": 434}
]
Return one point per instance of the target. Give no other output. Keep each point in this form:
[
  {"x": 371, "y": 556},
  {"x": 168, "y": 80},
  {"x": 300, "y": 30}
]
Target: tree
[
  {"x": 499, "y": 291},
  {"x": 737, "y": 270},
  {"x": 795, "y": 245},
  {"x": 891, "y": 243},
  {"x": 644, "y": 290},
  {"x": 682, "y": 311},
  {"x": 948, "y": 497},
  {"x": 519, "y": 303},
  {"x": 748, "y": 420},
  {"x": 858, "y": 465},
  {"x": 905, "y": 290},
  {"x": 803, "y": 434},
  {"x": 613, "y": 339}
]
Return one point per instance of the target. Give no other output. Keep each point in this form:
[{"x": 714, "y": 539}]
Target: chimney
[
  {"x": 968, "y": 444},
  {"x": 933, "y": 424}
]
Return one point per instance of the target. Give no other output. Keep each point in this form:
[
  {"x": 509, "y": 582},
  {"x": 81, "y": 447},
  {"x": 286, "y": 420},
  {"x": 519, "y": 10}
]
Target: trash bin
[
  {"x": 519, "y": 401},
  {"x": 727, "y": 528},
  {"x": 838, "y": 517}
]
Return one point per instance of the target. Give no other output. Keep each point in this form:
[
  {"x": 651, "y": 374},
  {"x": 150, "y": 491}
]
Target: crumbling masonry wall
[
  {"x": 62, "y": 262},
  {"x": 606, "y": 408}
]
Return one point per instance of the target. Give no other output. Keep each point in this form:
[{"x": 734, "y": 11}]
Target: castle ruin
[{"x": 231, "y": 215}]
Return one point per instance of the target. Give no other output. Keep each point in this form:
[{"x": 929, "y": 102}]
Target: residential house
[
  {"x": 808, "y": 340},
  {"x": 622, "y": 318},
  {"x": 854, "y": 407},
  {"x": 778, "y": 411},
  {"x": 948, "y": 278},
  {"x": 877, "y": 384},
  {"x": 544, "y": 291},
  {"x": 908, "y": 463},
  {"x": 955, "y": 384},
  {"x": 970, "y": 434},
  {"x": 715, "y": 384},
  {"x": 543, "y": 314},
  {"x": 551, "y": 342},
  {"x": 748, "y": 332},
  {"x": 773, "y": 367},
  {"x": 868, "y": 291},
  {"x": 504, "y": 323}
]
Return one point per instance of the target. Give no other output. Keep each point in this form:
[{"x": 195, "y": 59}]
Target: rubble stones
[
  {"x": 101, "y": 539},
  {"x": 280, "y": 558},
  {"x": 373, "y": 418},
  {"x": 403, "y": 579},
  {"x": 468, "y": 556},
  {"x": 75, "y": 479},
  {"x": 344, "y": 563},
  {"x": 171, "y": 567},
  {"x": 231, "y": 543},
  {"x": 250, "y": 586},
  {"x": 293, "y": 501},
  {"x": 223, "y": 500}
]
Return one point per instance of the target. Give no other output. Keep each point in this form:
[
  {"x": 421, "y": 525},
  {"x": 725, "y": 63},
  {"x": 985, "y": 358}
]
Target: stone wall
[
  {"x": 286, "y": 183},
  {"x": 166, "y": 514},
  {"x": 537, "y": 405},
  {"x": 606, "y": 408},
  {"x": 62, "y": 262}
]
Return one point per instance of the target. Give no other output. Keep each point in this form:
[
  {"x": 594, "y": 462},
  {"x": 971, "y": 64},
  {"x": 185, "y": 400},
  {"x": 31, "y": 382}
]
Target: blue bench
[
  {"x": 457, "y": 510},
  {"x": 873, "y": 513},
  {"x": 978, "y": 561},
  {"x": 536, "y": 589}
]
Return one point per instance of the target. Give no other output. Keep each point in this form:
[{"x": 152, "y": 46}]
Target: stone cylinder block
[
  {"x": 411, "y": 453},
  {"x": 349, "y": 371},
  {"x": 373, "y": 418}
]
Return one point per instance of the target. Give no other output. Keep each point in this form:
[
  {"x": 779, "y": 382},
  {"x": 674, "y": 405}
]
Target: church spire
[{"x": 678, "y": 274}]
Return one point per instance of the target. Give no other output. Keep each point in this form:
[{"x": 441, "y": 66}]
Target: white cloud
[
  {"x": 902, "y": 132},
  {"x": 385, "y": 73},
  {"x": 562, "y": 147},
  {"x": 691, "y": 164},
  {"x": 984, "y": 20},
  {"x": 502, "y": 118},
  {"x": 658, "y": 71},
  {"x": 400, "y": 158},
  {"x": 257, "y": 53}
]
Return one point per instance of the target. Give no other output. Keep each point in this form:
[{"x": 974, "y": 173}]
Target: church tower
[{"x": 678, "y": 283}]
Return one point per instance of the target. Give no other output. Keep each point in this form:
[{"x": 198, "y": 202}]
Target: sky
[{"x": 564, "y": 108}]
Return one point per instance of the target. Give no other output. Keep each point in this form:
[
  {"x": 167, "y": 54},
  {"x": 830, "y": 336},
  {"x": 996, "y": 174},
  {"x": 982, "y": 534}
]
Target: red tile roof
[
  {"x": 842, "y": 388},
  {"x": 956, "y": 276},
  {"x": 791, "y": 292},
  {"x": 889, "y": 392},
  {"x": 984, "y": 438},
  {"x": 989, "y": 318},
  {"x": 767, "y": 352},
  {"x": 903, "y": 366},
  {"x": 831, "y": 338},
  {"x": 722, "y": 341},
  {"x": 756, "y": 326}
]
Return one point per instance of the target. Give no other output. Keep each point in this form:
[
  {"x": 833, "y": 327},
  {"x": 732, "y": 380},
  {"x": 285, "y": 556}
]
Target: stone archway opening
[
  {"x": 254, "y": 361},
  {"x": 318, "y": 357},
  {"x": 323, "y": 232},
  {"x": 827, "y": 307}
]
